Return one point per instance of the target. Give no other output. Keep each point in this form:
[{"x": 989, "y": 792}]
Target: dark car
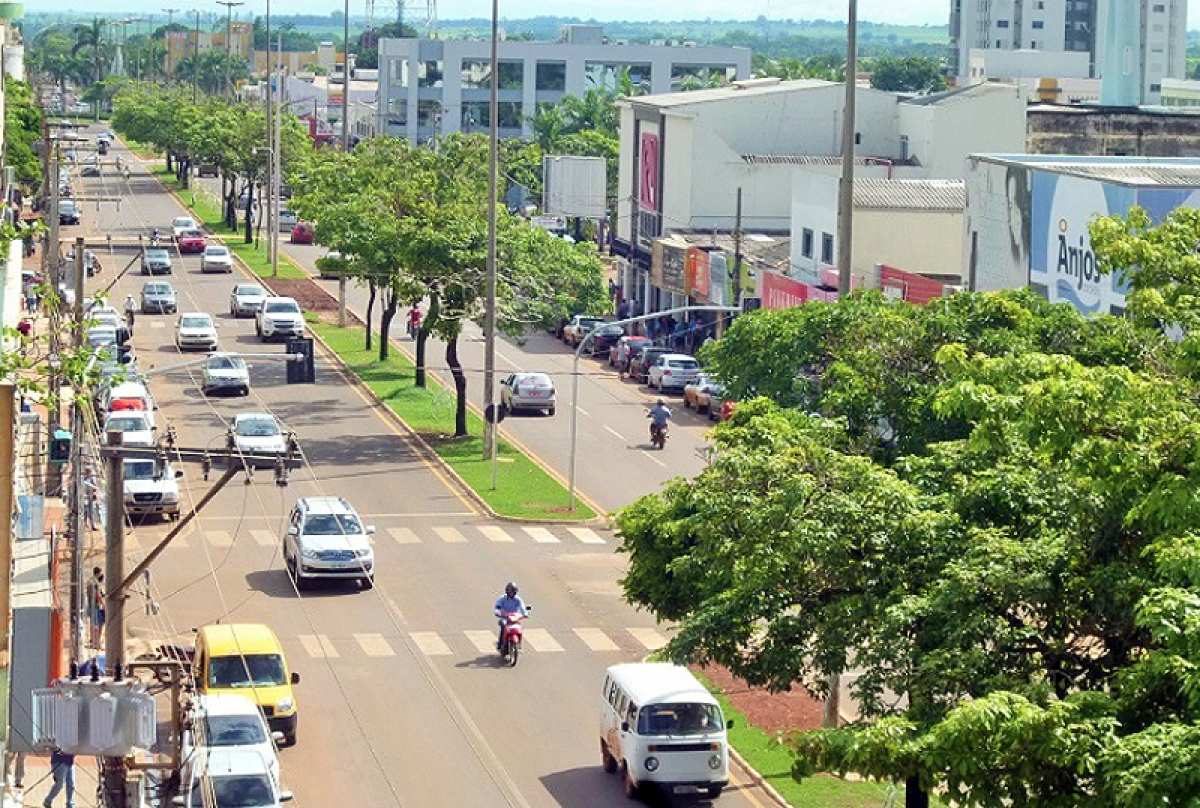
[
  {"x": 604, "y": 339},
  {"x": 639, "y": 366},
  {"x": 207, "y": 170},
  {"x": 68, "y": 212}
]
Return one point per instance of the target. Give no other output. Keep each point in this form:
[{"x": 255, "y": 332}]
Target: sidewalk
[{"x": 37, "y": 784}]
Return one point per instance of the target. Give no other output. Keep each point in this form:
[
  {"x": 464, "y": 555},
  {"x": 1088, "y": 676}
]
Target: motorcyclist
[
  {"x": 659, "y": 414},
  {"x": 508, "y": 603},
  {"x": 131, "y": 307},
  {"x": 154, "y": 238}
]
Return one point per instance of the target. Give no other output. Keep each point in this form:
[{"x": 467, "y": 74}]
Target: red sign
[
  {"x": 697, "y": 283},
  {"x": 908, "y": 286},
  {"x": 781, "y": 292},
  {"x": 648, "y": 172}
]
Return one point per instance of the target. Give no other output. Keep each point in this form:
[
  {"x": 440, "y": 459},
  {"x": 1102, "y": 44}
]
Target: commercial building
[
  {"x": 1027, "y": 220},
  {"x": 320, "y": 99},
  {"x": 434, "y": 86},
  {"x": 1115, "y": 131},
  {"x": 1180, "y": 93}
]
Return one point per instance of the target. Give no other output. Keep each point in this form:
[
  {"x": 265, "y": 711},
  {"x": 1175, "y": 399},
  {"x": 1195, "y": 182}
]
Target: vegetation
[
  {"x": 22, "y": 128},
  {"x": 908, "y": 74}
]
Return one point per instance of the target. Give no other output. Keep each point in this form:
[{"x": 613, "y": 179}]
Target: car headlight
[
  {"x": 651, "y": 764},
  {"x": 309, "y": 554},
  {"x": 170, "y": 497},
  {"x": 714, "y": 762},
  {"x": 363, "y": 553},
  {"x": 284, "y": 705}
]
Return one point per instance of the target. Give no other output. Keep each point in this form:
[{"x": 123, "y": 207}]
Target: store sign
[
  {"x": 908, "y": 286},
  {"x": 698, "y": 278},
  {"x": 674, "y": 257},
  {"x": 719, "y": 293},
  {"x": 648, "y": 196},
  {"x": 781, "y": 292}
]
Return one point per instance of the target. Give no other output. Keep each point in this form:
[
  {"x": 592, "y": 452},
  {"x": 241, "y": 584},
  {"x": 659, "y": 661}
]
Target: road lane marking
[
  {"x": 264, "y": 538},
  {"x": 374, "y": 645},
  {"x": 586, "y": 535},
  {"x": 650, "y": 639},
  {"x": 218, "y": 538},
  {"x": 157, "y": 324},
  {"x": 484, "y": 641},
  {"x": 582, "y": 411},
  {"x": 595, "y": 639},
  {"x": 496, "y": 533},
  {"x": 429, "y": 643},
  {"x": 318, "y": 646},
  {"x": 655, "y": 459},
  {"x": 541, "y": 535},
  {"x": 615, "y": 433},
  {"x": 540, "y": 640},
  {"x": 450, "y": 535},
  {"x": 404, "y": 535}
]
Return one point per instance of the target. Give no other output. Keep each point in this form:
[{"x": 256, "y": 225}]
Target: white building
[
  {"x": 433, "y": 86},
  {"x": 321, "y": 97}
]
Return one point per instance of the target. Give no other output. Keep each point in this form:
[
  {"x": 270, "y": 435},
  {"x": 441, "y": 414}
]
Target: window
[
  {"x": 679, "y": 719},
  {"x": 397, "y": 112},
  {"x": 698, "y": 77},
  {"x": 1041, "y": 5},
  {"x": 477, "y": 74},
  {"x": 398, "y": 72},
  {"x": 608, "y": 76},
  {"x": 551, "y": 77},
  {"x": 806, "y": 243},
  {"x": 1156, "y": 88},
  {"x": 246, "y": 670},
  {"x": 621, "y": 704},
  {"x": 1038, "y": 25},
  {"x": 1001, "y": 23},
  {"x": 429, "y": 113},
  {"x": 430, "y": 74},
  {"x": 476, "y": 115},
  {"x": 1159, "y": 8},
  {"x": 1033, "y": 45},
  {"x": 826, "y": 248}
]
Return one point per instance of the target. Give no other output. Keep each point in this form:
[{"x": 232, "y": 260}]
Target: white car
[
  {"x": 326, "y": 539},
  {"x": 279, "y": 317},
  {"x": 287, "y": 219},
  {"x": 216, "y": 258},
  {"x": 226, "y": 372},
  {"x": 230, "y": 722},
  {"x": 151, "y": 487},
  {"x": 135, "y": 427},
  {"x": 673, "y": 372},
  {"x": 246, "y": 299},
  {"x": 196, "y": 330},
  {"x": 130, "y": 395},
  {"x": 182, "y": 224},
  {"x": 234, "y": 777},
  {"x": 107, "y": 315},
  {"x": 257, "y": 433}
]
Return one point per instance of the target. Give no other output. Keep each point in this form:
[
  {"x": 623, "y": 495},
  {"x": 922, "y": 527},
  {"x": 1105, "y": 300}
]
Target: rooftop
[
  {"x": 956, "y": 94},
  {"x": 738, "y": 89},
  {"x": 1180, "y": 172},
  {"x": 882, "y": 194},
  {"x": 1049, "y": 107}
]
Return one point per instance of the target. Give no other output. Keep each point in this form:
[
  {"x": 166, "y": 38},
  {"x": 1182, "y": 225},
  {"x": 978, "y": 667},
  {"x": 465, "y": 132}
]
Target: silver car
[
  {"x": 226, "y": 373},
  {"x": 158, "y": 296},
  {"x": 156, "y": 260},
  {"x": 246, "y": 299},
  {"x": 216, "y": 258},
  {"x": 528, "y": 391}
]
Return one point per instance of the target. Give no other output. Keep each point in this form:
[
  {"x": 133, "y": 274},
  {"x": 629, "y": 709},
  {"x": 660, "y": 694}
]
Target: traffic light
[
  {"x": 60, "y": 447},
  {"x": 303, "y": 370}
]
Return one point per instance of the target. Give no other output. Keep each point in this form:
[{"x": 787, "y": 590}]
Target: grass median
[
  {"x": 207, "y": 209},
  {"x": 523, "y": 489}
]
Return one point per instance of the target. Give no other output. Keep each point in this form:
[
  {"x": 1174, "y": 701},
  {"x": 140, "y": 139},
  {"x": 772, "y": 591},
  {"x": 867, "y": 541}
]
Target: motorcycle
[
  {"x": 510, "y": 638},
  {"x": 658, "y": 435}
]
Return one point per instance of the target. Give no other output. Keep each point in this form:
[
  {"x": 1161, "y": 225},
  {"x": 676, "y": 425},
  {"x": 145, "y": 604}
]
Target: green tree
[
  {"x": 22, "y": 127},
  {"x": 210, "y": 68},
  {"x": 90, "y": 38},
  {"x": 908, "y": 74},
  {"x": 827, "y": 67}
]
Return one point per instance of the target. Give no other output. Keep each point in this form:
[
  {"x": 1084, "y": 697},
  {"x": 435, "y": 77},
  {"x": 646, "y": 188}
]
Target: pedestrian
[
  {"x": 62, "y": 767},
  {"x": 31, "y": 299},
  {"x": 14, "y": 763},
  {"x": 130, "y": 309},
  {"x": 96, "y": 603},
  {"x": 25, "y": 327}
]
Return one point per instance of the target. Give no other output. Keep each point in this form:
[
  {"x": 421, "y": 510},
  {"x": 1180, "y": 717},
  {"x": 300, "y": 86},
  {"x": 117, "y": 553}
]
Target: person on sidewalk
[
  {"x": 14, "y": 763},
  {"x": 96, "y": 605},
  {"x": 62, "y": 768},
  {"x": 414, "y": 320},
  {"x": 131, "y": 307}
]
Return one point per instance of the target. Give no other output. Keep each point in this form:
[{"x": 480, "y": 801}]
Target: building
[
  {"x": 184, "y": 45},
  {"x": 1027, "y": 217},
  {"x": 433, "y": 86},
  {"x": 910, "y": 224},
  {"x": 992, "y": 39},
  {"x": 1114, "y": 131},
  {"x": 1178, "y": 93},
  {"x": 320, "y": 98}
]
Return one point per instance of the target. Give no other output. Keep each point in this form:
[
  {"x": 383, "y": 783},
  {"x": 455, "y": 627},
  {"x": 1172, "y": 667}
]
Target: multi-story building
[
  {"x": 433, "y": 86},
  {"x": 1072, "y": 38}
]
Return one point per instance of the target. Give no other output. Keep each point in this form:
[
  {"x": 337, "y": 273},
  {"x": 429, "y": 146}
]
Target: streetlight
[
  {"x": 272, "y": 209},
  {"x": 489, "y": 320},
  {"x": 846, "y": 186},
  {"x": 229, "y": 6}
]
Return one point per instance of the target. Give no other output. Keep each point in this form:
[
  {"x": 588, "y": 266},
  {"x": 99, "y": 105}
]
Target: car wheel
[
  {"x": 246, "y": 390},
  {"x": 712, "y": 792},
  {"x": 687, "y": 405},
  {"x": 606, "y": 760},
  {"x": 368, "y": 582},
  {"x": 290, "y": 739},
  {"x": 550, "y": 412},
  {"x": 630, "y": 787}
]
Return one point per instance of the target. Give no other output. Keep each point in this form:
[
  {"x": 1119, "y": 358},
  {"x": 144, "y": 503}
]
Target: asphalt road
[{"x": 401, "y": 701}]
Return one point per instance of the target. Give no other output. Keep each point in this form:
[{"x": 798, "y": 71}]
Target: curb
[{"x": 757, "y": 779}]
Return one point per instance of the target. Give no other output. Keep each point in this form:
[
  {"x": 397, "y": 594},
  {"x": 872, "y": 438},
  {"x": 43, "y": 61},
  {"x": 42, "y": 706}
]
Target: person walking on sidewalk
[
  {"x": 96, "y": 605},
  {"x": 130, "y": 309},
  {"x": 62, "y": 768}
]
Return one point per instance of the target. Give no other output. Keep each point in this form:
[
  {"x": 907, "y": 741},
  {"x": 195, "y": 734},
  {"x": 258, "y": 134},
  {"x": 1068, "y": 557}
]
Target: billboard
[
  {"x": 649, "y": 196},
  {"x": 575, "y": 186},
  {"x": 698, "y": 280},
  {"x": 781, "y": 292}
]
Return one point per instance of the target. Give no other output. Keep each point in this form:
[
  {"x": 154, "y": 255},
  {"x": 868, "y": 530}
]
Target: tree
[
  {"x": 22, "y": 128},
  {"x": 908, "y": 74},
  {"x": 828, "y": 67},
  {"x": 210, "y": 68},
  {"x": 91, "y": 38}
]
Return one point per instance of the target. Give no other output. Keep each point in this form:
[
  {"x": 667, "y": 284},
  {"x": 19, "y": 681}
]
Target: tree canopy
[{"x": 908, "y": 74}]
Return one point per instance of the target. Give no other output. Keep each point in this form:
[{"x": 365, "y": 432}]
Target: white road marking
[
  {"x": 429, "y": 643},
  {"x": 218, "y": 538},
  {"x": 648, "y": 637},
  {"x": 374, "y": 645},
  {"x": 318, "y": 646},
  {"x": 540, "y": 640},
  {"x": 655, "y": 459},
  {"x": 595, "y": 639},
  {"x": 484, "y": 641},
  {"x": 586, "y": 535},
  {"x": 264, "y": 538},
  {"x": 496, "y": 533},
  {"x": 615, "y": 433},
  {"x": 404, "y": 535},
  {"x": 541, "y": 535},
  {"x": 157, "y": 324},
  {"x": 450, "y": 535},
  {"x": 582, "y": 411},
  {"x": 505, "y": 359}
]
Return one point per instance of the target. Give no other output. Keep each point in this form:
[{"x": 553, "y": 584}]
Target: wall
[
  {"x": 1025, "y": 63},
  {"x": 814, "y": 206},
  {"x": 625, "y": 163},
  {"x": 990, "y": 118},
  {"x": 1113, "y": 132},
  {"x": 921, "y": 241},
  {"x": 996, "y": 226}
]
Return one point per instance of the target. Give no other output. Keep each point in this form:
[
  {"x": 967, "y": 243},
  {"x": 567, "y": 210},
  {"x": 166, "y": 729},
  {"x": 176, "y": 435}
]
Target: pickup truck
[
  {"x": 151, "y": 487},
  {"x": 580, "y": 326}
]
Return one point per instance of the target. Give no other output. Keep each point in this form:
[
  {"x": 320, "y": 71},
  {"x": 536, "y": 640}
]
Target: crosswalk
[{"x": 634, "y": 640}]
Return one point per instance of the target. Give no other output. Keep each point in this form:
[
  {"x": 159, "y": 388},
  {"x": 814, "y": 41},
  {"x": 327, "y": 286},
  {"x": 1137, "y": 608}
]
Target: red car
[
  {"x": 302, "y": 233},
  {"x": 191, "y": 241}
]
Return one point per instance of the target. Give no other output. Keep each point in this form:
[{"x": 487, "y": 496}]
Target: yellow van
[{"x": 247, "y": 659}]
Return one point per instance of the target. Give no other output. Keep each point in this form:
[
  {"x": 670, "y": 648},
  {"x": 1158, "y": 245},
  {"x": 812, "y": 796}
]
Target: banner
[
  {"x": 719, "y": 293},
  {"x": 781, "y": 292},
  {"x": 697, "y": 278},
  {"x": 648, "y": 173},
  {"x": 908, "y": 286},
  {"x": 674, "y": 256}
]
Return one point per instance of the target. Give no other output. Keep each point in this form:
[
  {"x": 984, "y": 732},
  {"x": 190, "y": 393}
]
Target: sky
[{"x": 893, "y": 11}]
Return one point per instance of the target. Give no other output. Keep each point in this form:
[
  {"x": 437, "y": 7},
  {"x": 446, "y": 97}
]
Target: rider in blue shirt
[{"x": 508, "y": 603}]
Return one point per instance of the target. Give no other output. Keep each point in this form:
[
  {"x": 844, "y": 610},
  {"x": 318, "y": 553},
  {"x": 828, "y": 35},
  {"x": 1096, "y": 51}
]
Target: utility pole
[
  {"x": 846, "y": 189},
  {"x": 737, "y": 251},
  {"x": 54, "y": 419},
  {"x": 195, "y": 54},
  {"x": 229, "y": 6},
  {"x": 78, "y": 492},
  {"x": 276, "y": 159},
  {"x": 492, "y": 426},
  {"x": 114, "y": 558},
  {"x": 346, "y": 80},
  {"x": 270, "y": 118}
]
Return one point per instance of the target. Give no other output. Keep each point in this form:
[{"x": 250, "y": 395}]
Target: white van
[{"x": 660, "y": 727}]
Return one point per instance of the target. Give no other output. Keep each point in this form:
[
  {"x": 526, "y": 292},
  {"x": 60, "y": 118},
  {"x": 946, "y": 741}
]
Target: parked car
[
  {"x": 68, "y": 212},
  {"x": 207, "y": 170},
  {"x": 196, "y": 330},
  {"x": 579, "y": 327},
  {"x": 699, "y": 393},
  {"x": 619, "y": 353},
  {"x": 225, "y": 372},
  {"x": 91, "y": 264},
  {"x": 182, "y": 224},
  {"x": 191, "y": 242},
  {"x": 151, "y": 487},
  {"x": 673, "y": 371},
  {"x": 91, "y": 170},
  {"x": 246, "y": 299},
  {"x": 220, "y": 667},
  {"x": 257, "y": 433},
  {"x": 287, "y": 220},
  {"x": 106, "y": 315},
  {"x": 130, "y": 395},
  {"x": 134, "y": 426},
  {"x": 326, "y": 539},
  {"x": 279, "y": 317},
  {"x": 158, "y": 296},
  {"x": 235, "y": 777},
  {"x": 233, "y": 722},
  {"x": 604, "y": 339},
  {"x": 302, "y": 233},
  {"x": 216, "y": 258},
  {"x": 643, "y": 359},
  {"x": 528, "y": 391},
  {"x": 156, "y": 261}
]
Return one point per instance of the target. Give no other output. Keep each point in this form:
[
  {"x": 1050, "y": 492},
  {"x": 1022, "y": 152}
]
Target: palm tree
[{"x": 90, "y": 36}]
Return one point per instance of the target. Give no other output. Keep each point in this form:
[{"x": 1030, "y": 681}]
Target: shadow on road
[
  {"x": 489, "y": 661},
  {"x": 592, "y": 786},
  {"x": 275, "y": 584}
]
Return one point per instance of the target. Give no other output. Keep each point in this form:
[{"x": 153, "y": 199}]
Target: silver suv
[{"x": 326, "y": 539}]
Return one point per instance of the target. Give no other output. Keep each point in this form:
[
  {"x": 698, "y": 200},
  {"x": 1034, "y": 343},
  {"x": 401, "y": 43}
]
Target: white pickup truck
[
  {"x": 580, "y": 326},
  {"x": 151, "y": 487}
]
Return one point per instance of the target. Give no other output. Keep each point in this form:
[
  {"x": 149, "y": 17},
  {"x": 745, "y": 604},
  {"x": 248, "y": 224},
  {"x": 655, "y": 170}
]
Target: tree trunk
[
  {"x": 392, "y": 302},
  {"x": 460, "y": 387},
  {"x": 250, "y": 213},
  {"x": 169, "y": 166},
  {"x": 914, "y": 795},
  {"x": 422, "y": 336},
  {"x": 185, "y": 173},
  {"x": 370, "y": 306}
]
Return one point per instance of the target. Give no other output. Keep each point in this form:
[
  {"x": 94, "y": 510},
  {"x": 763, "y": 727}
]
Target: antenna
[{"x": 418, "y": 14}]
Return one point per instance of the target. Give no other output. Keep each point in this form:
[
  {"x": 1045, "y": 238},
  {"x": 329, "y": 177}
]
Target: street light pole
[
  {"x": 846, "y": 186},
  {"x": 229, "y": 6},
  {"x": 170, "y": 12},
  {"x": 195, "y": 54},
  {"x": 346, "y": 80},
  {"x": 489, "y": 323}
]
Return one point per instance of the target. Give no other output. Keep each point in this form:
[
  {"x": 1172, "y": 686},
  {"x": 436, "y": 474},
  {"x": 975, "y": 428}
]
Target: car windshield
[
  {"x": 587, "y": 324},
  {"x": 139, "y": 469},
  {"x": 328, "y": 524},
  {"x": 537, "y": 380},
  {"x": 284, "y": 306},
  {"x": 193, "y": 234},
  {"x": 234, "y": 791},
  {"x": 679, "y": 719},
  {"x": 249, "y": 290},
  {"x": 127, "y": 424},
  {"x": 257, "y": 669},
  {"x": 257, "y": 427},
  {"x": 158, "y": 254},
  {"x": 684, "y": 364},
  {"x": 216, "y": 251},
  {"x": 233, "y": 730},
  {"x": 156, "y": 289},
  {"x": 226, "y": 363},
  {"x": 183, "y": 221},
  {"x": 195, "y": 322}
]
